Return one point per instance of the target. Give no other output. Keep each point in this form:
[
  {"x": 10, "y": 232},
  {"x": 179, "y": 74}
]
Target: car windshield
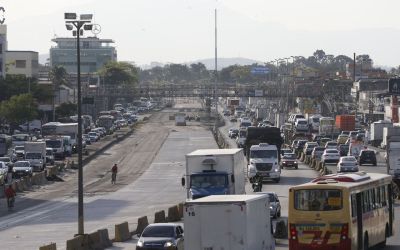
[
  {"x": 21, "y": 164},
  {"x": 331, "y": 144},
  {"x": 206, "y": 181},
  {"x": 301, "y": 143},
  {"x": 289, "y": 156},
  {"x": 49, "y": 152},
  {"x": 19, "y": 148},
  {"x": 263, "y": 153},
  {"x": 368, "y": 153},
  {"x": 349, "y": 159},
  {"x": 271, "y": 197},
  {"x": 5, "y": 159},
  {"x": 331, "y": 151},
  {"x": 319, "y": 149},
  {"x": 318, "y": 199},
  {"x": 159, "y": 231},
  {"x": 315, "y": 119},
  {"x": 302, "y": 122}
]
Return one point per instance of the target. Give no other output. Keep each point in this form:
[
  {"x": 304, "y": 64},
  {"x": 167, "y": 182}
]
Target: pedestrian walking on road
[
  {"x": 10, "y": 195},
  {"x": 114, "y": 171}
]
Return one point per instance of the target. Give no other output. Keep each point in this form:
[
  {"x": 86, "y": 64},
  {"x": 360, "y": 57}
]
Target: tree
[
  {"x": 119, "y": 73},
  {"x": 319, "y": 55},
  {"x": 19, "y": 109},
  {"x": 66, "y": 109},
  {"x": 58, "y": 76}
]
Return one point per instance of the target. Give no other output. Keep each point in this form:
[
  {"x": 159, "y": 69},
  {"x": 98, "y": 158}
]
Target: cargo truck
[
  {"x": 180, "y": 119},
  {"x": 35, "y": 153},
  {"x": 388, "y": 133},
  {"x": 262, "y": 147},
  {"x": 376, "y": 135},
  {"x": 233, "y": 222},
  {"x": 393, "y": 157},
  {"x": 63, "y": 129},
  {"x": 214, "y": 172}
]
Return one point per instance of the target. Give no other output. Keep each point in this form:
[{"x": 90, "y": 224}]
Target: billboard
[{"x": 394, "y": 86}]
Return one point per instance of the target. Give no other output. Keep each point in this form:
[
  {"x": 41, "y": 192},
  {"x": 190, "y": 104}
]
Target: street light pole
[{"x": 83, "y": 22}]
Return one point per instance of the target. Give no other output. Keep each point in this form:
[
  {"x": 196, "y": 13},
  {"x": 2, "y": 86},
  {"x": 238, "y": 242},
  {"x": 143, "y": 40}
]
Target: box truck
[
  {"x": 214, "y": 172},
  {"x": 387, "y": 133},
  {"x": 393, "y": 156},
  {"x": 233, "y": 222},
  {"x": 376, "y": 136},
  {"x": 35, "y": 153}
]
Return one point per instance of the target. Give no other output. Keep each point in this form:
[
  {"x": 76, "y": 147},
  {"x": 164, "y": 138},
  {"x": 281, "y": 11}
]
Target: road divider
[
  {"x": 180, "y": 209},
  {"x": 79, "y": 242},
  {"x": 159, "y": 217},
  {"x": 173, "y": 214},
  {"x": 122, "y": 232},
  {"x": 94, "y": 240},
  {"x": 142, "y": 223},
  {"x": 51, "y": 246},
  {"x": 104, "y": 238}
]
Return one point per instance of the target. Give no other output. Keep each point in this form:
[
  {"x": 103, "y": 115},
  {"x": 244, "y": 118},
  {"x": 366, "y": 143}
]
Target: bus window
[
  {"x": 353, "y": 206},
  {"x": 318, "y": 200}
]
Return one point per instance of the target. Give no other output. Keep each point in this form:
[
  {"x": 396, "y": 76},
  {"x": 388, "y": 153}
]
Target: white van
[{"x": 301, "y": 124}]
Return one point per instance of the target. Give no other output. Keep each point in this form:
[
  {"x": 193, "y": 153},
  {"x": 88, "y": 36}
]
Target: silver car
[
  {"x": 347, "y": 164},
  {"x": 274, "y": 204}
]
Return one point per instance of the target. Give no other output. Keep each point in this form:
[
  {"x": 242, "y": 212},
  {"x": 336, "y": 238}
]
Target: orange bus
[{"x": 345, "y": 211}]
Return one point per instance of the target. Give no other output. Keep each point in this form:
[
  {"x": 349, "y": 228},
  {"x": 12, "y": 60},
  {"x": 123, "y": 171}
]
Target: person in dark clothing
[{"x": 114, "y": 171}]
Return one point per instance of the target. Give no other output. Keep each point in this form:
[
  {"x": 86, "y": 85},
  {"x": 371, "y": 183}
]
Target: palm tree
[{"x": 58, "y": 75}]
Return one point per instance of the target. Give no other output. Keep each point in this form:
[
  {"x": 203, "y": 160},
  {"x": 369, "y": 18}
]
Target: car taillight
[
  {"x": 293, "y": 232},
  {"x": 345, "y": 231}
]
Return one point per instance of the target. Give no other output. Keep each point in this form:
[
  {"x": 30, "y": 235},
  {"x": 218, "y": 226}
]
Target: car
[
  {"x": 6, "y": 160},
  {"x": 94, "y": 137},
  {"x": 345, "y": 133},
  {"x": 86, "y": 138},
  {"x": 227, "y": 113},
  {"x": 22, "y": 168},
  {"x": 317, "y": 138},
  {"x": 347, "y": 164},
  {"x": 293, "y": 144},
  {"x": 300, "y": 145},
  {"x": 289, "y": 160},
  {"x": 342, "y": 139},
  {"x": 286, "y": 151},
  {"x": 309, "y": 147},
  {"x": 233, "y": 119},
  {"x": 317, "y": 153},
  {"x": 230, "y": 131},
  {"x": 343, "y": 149},
  {"x": 274, "y": 204},
  {"x": 234, "y": 133},
  {"x": 367, "y": 156},
  {"x": 331, "y": 145},
  {"x": 18, "y": 153},
  {"x": 161, "y": 236},
  {"x": 330, "y": 156},
  {"x": 323, "y": 141}
]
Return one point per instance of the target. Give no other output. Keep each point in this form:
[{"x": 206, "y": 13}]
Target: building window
[
  {"x": 35, "y": 64},
  {"x": 21, "y": 64}
]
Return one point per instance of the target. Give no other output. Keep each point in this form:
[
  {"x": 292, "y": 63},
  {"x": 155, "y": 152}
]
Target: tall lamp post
[{"x": 77, "y": 26}]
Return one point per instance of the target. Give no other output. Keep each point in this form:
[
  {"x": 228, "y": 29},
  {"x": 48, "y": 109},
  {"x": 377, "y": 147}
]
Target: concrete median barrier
[
  {"x": 104, "y": 238},
  {"x": 52, "y": 170},
  {"x": 281, "y": 230},
  {"x": 142, "y": 223},
  {"x": 159, "y": 217},
  {"x": 79, "y": 242},
  {"x": 122, "y": 232},
  {"x": 173, "y": 214},
  {"x": 20, "y": 186},
  {"x": 94, "y": 241},
  {"x": 302, "y": 157},
  {"x": 51, "y": 246},
  {"x": 180, "y": 210}
]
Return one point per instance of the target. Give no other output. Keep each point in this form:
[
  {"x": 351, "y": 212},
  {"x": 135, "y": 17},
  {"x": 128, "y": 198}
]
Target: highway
[{"x": 151, "y": 164}]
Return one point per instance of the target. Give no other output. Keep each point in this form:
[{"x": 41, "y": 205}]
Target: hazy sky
[{"x": 183, "y": 30}]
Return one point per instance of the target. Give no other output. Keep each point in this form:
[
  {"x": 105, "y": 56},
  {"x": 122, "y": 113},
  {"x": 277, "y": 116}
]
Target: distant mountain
[{"x": 225, "y": 62}]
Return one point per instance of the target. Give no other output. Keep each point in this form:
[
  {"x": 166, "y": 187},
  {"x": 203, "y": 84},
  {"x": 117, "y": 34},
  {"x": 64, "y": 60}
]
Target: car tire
[
  {"x": 297, "y": 167},
  {"x": 278, "y": 214}
]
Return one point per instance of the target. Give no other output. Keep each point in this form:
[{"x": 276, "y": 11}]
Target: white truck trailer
[
  {"x": 233, "y": 222},
  {"x": 58, "y": 128},
  {"x": 387, "y": 133},
  {"x": 180, "y": 119},
  {"x": 376, "y": 136},
  {"x": 393, "y": 156},
  {"x": 214, "y": 172},
  {"x": 35, "y": 153}
]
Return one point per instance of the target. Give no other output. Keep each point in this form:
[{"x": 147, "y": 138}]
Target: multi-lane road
[{"x": 151, "y": 164}]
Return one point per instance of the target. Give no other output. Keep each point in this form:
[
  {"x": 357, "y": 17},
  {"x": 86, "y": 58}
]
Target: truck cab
[
  {"x": 241, "y": 138},
  {"x": 393, "y": 158},
  {"x": 264, "y": 161},
  {"x": 208, "y": 182}
]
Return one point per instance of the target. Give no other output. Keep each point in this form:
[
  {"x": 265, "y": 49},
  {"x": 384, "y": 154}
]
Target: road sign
[
  {"x": 259, "y": 70},
  {"x": 394, "y": 86}
]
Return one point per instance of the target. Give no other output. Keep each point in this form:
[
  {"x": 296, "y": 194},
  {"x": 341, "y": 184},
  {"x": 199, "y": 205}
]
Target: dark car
[
  {"x": 234, "y": 133},
  {"x": 289, "y": 160},
  {"x": 233, "y": 119},
  {"x": 161, "y": 236},
  {"x": 367, "y": 156},
  {"x": 300, "y": 145},
  {"x": 343, "y": 149}
]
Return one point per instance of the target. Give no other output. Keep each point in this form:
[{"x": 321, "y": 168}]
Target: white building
[{"x": 22, "y": 63}]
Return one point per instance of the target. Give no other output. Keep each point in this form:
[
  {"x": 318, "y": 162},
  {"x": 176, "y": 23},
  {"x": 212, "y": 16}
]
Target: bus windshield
[{"x": 318, "y": 199}]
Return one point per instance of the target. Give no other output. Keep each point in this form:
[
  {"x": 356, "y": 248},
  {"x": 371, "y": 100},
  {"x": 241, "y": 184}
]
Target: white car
[
  {"x": 347, "y": 164},
  {"x": 22, "y": 168},
  {"x": 317, "y": 152},
  {"x": 330, "y": 156},
  {"x": 331, "y": 145}
]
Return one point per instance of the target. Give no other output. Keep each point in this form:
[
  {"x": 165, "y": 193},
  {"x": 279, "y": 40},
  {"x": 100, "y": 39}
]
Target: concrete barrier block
[
  {"x": 173, "y": 214},
  {"x": 180, "y": 209},
  {"x": 159, "y": 217},
  {"x": 94, "y": 241},
  {"x": 302, "y": 157},
  {"x": 77, "y": 243},
  {"x": 122, "y": 232},
  {"x": 20, "y": 185},
  {"x": 104, "y": 238},
  {"x": 142, "y": 223},
  {"x": 51, "y": 246}
]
